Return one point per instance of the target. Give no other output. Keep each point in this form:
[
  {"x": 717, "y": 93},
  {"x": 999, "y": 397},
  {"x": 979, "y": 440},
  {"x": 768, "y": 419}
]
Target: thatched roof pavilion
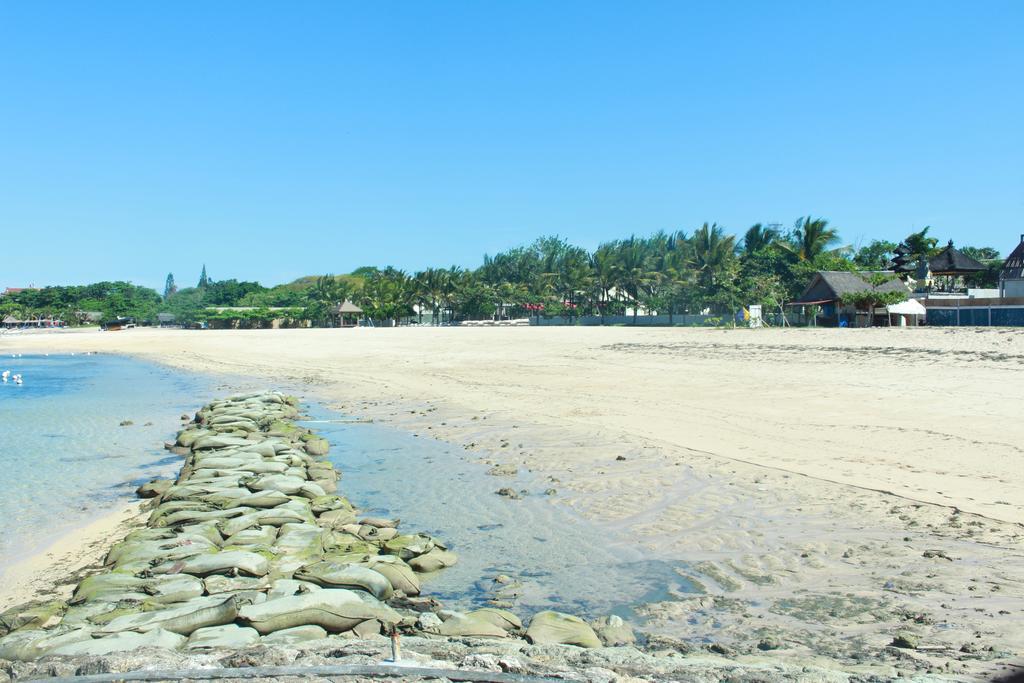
[
  {"x": 952, "y": 261},
  {"x": 829, "y": 286}
]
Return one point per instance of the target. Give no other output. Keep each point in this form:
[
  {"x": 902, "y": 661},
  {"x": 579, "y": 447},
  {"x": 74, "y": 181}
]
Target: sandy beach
[{"x": 828, "y": 488}]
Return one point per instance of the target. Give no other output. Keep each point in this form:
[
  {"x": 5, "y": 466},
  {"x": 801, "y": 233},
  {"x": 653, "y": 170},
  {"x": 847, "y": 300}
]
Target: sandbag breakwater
[{"x": 253, "y": 545}]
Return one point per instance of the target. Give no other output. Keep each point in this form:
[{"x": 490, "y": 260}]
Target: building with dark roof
[
  {"x": 1011, "y": 277},
  {"x": 828, "y": 287}
]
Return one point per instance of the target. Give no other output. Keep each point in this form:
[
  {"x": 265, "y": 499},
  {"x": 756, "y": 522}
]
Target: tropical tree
[
  {"x": 872, "y": 296},
  {"x": 758, "y": 238},
  {"x": 169, "y": 286},
  {"x": 810, "y": 238},
  {"x": 713, "y": 252}
]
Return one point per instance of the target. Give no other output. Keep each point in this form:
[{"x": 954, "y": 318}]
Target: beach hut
[
  {"x": 953, "y": 265},
  {"x": 1011, "y": 277},
  {"x": 165, "y": 319},
  {"x": 827, "y": 289},
  {"x": 347, "y": 314}
]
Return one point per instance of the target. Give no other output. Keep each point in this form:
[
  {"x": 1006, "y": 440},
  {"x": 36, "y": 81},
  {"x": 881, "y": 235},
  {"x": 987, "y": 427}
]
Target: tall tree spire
[
  {"x": 203, "y": 279},
  {"x": 169, "y": 286}
]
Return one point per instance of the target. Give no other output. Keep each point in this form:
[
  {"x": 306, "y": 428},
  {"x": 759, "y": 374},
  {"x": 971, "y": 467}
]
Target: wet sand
[
  {"x": 830, "y": 489},
  {"x": 51, "y": 574}
]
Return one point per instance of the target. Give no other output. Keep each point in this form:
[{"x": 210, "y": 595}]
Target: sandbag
[
  {"x": 325, "y": 503},
  {"x": 401, "y": 576},
  {"x": 501, "y": 618},
  {"x": 434, "y": 560},
  {"x": 29, "y": 616},
  {"x": 33, "y": 644},
  {"x": 189, "y": 436},
  {"x": 336, "y": 610},
  {"x": 121, "y": 642},
  {"x": 228, "y": 562},
  {"x": 262, "y": 500},
  {"x": 556, "y": 628},
  {"x": 294, "y": 636},
  {"x": 182, "y": 619},
  {"x": 408, "y": 546},
  {"x": 335, "y": 519},
  {"x": 466, "y": 625},
  {"x": 227, "y": 637},
  {"x": 212, "y": 442},
  {"x": 285, "y": 588},
  {"x": 263, "y": 535},
  {"x": 331, "y": 575},
  {"x": 224, "y": 584},
  {"x": 154, "y": 488}
]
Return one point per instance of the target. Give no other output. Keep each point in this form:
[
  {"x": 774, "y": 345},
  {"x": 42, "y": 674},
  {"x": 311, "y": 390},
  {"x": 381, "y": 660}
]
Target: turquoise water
[{"x": 64, "y": 459}]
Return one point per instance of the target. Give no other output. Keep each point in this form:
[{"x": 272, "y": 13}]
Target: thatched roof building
[
  {"x": 346, "y": 307},
  {"x": 952, "y": 261},
  {"x": 829, "y": 286},
  {"x": 1011, "y": 277}
]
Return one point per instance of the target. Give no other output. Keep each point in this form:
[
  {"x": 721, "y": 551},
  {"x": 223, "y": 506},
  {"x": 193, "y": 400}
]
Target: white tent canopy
[{"x": 908, "y": 307}]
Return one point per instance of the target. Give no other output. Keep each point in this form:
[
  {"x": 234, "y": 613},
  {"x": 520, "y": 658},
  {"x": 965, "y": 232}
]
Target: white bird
[
  {"x": 5, "y": 374},
  {"x": 17, "y": 379}
]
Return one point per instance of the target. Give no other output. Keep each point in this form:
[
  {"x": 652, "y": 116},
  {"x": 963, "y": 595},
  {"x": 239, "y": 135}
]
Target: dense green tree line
[
  {"x": 667, "y": 272},
  {"x": 73, "y": 304}
]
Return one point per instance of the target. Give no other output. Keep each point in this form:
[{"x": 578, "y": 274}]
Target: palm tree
[
  {"x": 920, "y": 244},
  {"x": 326, "y": 293},
  {"x": 712, "y": 251},
  {"x": 811, "y": 238},
  {"x": 633, "y": 272},
  {"x": 759, "y": 237},
  {"x": 604, "y": 265}
]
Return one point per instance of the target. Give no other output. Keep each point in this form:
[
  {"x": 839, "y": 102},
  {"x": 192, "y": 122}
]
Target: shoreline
[
  {"x": 50, "y": 572},
  {"x": 774, "y": 534}
]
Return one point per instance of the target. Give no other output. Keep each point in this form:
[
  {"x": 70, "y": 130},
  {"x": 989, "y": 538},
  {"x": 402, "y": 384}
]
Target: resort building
[
  {"x": 822, "y": 301},
  {"x": 1011, "y": 277}
]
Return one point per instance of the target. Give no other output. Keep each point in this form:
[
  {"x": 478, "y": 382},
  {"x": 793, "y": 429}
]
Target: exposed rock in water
[
  {"x": 503, "y": 471},
  {"x": 508, "y": 493}
]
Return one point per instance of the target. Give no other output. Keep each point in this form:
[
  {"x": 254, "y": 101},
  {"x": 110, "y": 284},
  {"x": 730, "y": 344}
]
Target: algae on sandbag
[
  {"x": 556, "y": 628},
  {"x": 336, "y": 610},
  {"x": 331, "y": 574},
  {"x": 229, "y": 637}
]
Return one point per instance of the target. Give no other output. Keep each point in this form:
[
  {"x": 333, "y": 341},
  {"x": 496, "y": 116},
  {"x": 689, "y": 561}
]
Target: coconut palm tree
[
  {"x": 759, "y": 237},
  {"x": 811, "y": 237},
  {"x": 633, "y": 272},
  {"x": 712, "y": 251}
]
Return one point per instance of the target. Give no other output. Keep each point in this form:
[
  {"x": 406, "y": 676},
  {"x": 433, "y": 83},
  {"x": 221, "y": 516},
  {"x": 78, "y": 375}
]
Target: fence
[
  {"x": 640, "y": 320},
  {"x": 1006, "y": 312}
]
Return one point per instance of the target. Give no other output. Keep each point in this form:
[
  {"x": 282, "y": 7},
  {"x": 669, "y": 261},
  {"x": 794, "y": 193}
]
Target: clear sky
[{"x": 273, "y": 140}]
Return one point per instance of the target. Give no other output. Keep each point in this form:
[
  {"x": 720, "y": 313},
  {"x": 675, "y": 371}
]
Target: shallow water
[
  {"x": 563, "y": 561},
  {"x": 64, "y": 459}
]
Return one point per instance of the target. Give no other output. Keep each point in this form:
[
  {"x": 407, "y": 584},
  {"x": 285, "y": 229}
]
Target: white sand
[{"x": 758, "y": 456}]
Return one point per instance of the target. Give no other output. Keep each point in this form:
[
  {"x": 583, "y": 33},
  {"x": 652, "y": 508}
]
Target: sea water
[
  {"x": 560, "y": 560},
  {"x": 65, "y": 458}
]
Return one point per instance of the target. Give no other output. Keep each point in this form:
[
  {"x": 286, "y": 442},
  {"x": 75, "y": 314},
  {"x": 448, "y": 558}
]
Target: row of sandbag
[
  {"x": 252, "y": 544},
  {"x": 250, "y": 541}
]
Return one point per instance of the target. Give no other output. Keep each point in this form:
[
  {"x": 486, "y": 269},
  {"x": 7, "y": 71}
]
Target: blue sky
[{"x": 273, "y": 140}]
